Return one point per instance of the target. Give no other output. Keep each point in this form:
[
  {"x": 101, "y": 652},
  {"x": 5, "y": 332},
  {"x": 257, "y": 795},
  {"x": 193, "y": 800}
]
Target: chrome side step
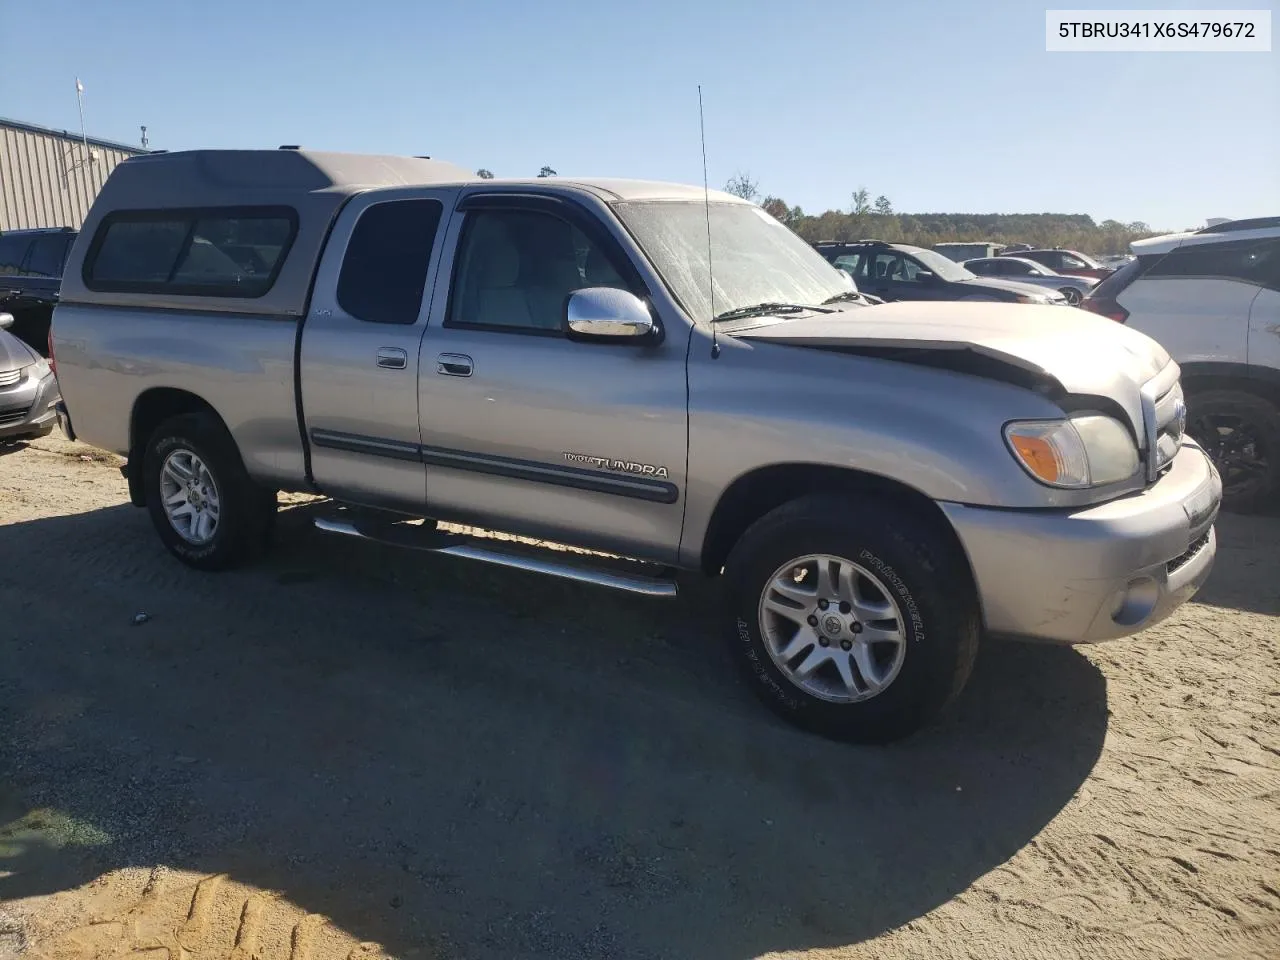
[{"x": 468, "y": 548}]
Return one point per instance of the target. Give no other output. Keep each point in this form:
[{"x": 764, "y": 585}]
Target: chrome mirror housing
[{"x": 608, "y": 313}]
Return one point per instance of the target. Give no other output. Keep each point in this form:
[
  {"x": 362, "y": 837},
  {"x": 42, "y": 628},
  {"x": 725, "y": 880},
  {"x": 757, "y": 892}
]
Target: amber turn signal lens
[{"x": 1038, "y": 455}]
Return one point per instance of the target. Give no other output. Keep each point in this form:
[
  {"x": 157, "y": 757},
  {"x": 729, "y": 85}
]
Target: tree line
[
  {"x": 876, "y": 218},
  {"x": 868, "y": 218}
]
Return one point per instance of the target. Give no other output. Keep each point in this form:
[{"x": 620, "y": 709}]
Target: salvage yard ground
[{"x": 346, "y": 751}]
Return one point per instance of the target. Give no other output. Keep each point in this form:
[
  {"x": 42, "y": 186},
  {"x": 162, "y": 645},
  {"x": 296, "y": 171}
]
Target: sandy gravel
[{"x": 348, "y": 752}]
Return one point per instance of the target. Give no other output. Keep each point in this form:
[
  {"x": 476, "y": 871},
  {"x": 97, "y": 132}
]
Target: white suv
[{"x": 1212, "y": 299}]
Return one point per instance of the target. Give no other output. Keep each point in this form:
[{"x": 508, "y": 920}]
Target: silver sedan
[
  {"x": 1023, "y": 270},
  {"x": 28, "y": 390}
]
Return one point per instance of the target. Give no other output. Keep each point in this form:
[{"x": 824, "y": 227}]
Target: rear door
[
  {"x": 360, "y": 347},
  {"x": 528, "y": 431},
  {"x": 1196, "y": 302},
  {"x": 1262, "y": 266}
]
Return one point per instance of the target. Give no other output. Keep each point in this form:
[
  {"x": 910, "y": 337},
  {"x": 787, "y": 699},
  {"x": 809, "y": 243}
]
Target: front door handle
[
  {"x": 392, "y": 358},
  {"x": 454, "y": 365}
]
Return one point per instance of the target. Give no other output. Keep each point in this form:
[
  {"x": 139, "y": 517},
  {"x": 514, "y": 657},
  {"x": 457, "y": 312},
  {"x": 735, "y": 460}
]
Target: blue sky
[{"x": 943, "y": 106}]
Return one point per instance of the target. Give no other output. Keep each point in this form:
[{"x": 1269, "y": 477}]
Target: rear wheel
[
  {"x": 1241, "y": 433},
  {"x": 854, "y": 620},
  {"x": 202, "y": 502}
]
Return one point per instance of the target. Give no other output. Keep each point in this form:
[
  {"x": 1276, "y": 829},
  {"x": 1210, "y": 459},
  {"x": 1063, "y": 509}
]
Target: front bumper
[
  {"x": 27, "y": 411},
  {"x": 1103, "y": 572}
]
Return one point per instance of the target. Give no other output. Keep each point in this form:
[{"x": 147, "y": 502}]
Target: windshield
[
  {"x": 943, "y": 267},
  {"x": 754, "y": 258}
]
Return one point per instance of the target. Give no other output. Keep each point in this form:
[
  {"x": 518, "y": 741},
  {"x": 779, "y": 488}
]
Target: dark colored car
[
  {"x": 1071, "y": 262},
  {"x": 28, "y": 390},
  {"x": 898, "y": 271},
  {"x": 30, "y": 273}
]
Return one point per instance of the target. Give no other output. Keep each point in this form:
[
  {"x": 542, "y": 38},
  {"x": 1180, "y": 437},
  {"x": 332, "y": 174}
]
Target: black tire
[
  {"x": 1072, "y": 294},
  {"x": 1241, "y": 433},
  {"x": 931, "y": 586},
  {"x": 247, "y": 511}
]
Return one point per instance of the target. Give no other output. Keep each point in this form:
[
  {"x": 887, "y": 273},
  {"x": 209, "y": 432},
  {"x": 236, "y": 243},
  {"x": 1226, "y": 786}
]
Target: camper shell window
[{"x": 221, "y": 252}]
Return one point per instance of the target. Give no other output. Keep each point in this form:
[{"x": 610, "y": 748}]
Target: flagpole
[{"x": 80, "y": 101}]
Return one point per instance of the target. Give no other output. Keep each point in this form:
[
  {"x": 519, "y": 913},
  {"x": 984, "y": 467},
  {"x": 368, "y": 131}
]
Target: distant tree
[
  {"x": 547, "y": 172},
  {"x": 795, "y": 215},
  {"x": 484, "y": 174},
  {"x": 1138, "y": 227},
  {"x": 883, "y": 206},
  {"x": 860, "y": 202},
  {"x": 741, "y": 185},
  {"x": 776, "y": 208}
]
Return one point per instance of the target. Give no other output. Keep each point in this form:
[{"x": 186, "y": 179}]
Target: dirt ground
[{"x": 350, "y": 752}]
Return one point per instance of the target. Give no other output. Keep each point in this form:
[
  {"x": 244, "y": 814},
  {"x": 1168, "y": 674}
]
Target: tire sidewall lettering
[
  {"x": 759, "y": 669},
  {"x": 904, "y": 595}
]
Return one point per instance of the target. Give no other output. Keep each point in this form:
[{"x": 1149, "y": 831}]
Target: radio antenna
[{"x": 706, "y": 202}]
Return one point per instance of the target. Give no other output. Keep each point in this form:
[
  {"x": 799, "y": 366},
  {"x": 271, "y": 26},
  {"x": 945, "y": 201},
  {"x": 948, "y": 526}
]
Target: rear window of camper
[{"x": 205, "y": 253}]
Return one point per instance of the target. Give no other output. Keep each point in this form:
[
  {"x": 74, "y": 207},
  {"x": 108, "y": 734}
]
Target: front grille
[
  {"x": 1183, "y": 560},
  {"x": 1165, "y": 413},
  {"x": 9, "y": 377}
]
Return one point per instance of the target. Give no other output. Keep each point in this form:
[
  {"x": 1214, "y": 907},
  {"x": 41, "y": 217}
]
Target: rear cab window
[
  {"x": 384, "y": 269},
  {"x": 211, "y": 253}
]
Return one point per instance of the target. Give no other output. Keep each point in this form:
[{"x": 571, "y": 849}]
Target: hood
[
  {"x": 1008, "y": 286},
  {"x": 1084, "y": 353},
  {"x": 14, "y": 354}
]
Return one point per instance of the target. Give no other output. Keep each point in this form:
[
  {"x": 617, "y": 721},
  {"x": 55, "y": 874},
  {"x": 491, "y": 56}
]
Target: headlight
[
  {"x": 1079, "y": 452},
  {"x": 37, "y": 371}
]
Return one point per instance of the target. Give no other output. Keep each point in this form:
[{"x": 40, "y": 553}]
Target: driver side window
[
  {"x": 895, "y": 268},
  {"x": 516, "y": 268}
]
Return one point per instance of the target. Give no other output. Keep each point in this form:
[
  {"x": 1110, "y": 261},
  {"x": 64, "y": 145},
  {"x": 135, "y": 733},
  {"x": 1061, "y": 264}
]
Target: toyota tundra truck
[{"x": 663, "y": 376}]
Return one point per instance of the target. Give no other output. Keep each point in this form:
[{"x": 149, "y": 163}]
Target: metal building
[{"x": 48, "y": 178}]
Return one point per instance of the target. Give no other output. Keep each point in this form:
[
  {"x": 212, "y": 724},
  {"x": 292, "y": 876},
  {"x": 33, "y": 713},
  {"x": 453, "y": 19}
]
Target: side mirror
[
  {"x": 606, "y": 313},
  {"x": 6, "y": 321},
  {"x": 926, "y": 276}
]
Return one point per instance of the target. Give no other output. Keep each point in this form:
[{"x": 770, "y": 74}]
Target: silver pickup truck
[{"x": 666, "y": 377}]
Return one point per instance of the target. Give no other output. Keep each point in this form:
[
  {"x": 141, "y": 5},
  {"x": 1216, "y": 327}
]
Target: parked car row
[
  {"x": 899, "y": 271},
  {"x": 1022, "y": 270}
]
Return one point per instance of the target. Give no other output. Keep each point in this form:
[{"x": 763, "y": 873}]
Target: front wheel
[
  {"x": 1241, "y": 433},
  {"x": 205, "y": 507},
  {"x": 1072, "y": 295},
  {"x": 854, "y": 620}
]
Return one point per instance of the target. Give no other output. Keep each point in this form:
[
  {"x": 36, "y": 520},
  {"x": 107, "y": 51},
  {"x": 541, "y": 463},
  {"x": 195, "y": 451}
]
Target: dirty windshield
[{"x": 754, "y": 258}]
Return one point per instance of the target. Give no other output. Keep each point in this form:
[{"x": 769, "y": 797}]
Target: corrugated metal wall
[{"x": 44, "y": 179}]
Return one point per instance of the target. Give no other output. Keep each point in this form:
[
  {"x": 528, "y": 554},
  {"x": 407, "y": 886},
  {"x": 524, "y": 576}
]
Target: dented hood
[{"x": 1085, "y": 353}]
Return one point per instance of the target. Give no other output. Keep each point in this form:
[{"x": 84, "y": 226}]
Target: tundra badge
[{"x": 621, "y": 466}]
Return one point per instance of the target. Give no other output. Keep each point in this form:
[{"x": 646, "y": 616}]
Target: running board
[{"x": 467, "y": 548}]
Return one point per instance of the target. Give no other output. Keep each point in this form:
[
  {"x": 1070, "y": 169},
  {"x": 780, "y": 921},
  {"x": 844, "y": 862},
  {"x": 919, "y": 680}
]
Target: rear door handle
[
  {"x": 454, "y": 365},
  {"x": 392, "y": 358}
]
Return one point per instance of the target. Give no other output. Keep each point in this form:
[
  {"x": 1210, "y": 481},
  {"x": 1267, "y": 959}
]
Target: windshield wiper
[
  {"x": 855, "y": 296},
  {"x": 764, "y": 309}
]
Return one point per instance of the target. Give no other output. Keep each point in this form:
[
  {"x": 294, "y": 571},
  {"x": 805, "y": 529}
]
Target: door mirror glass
[
  {"x": 608, "y": 313},
  {"x": 6, "y": 321}
]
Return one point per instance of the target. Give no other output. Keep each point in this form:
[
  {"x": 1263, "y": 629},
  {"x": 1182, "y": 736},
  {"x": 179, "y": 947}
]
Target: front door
[
  {"x": 528, "y": 431},
  {"x": 360, "y": 348}
]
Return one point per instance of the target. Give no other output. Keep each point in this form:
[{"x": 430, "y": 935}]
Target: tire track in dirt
[{"x": 186, "y": 917}]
